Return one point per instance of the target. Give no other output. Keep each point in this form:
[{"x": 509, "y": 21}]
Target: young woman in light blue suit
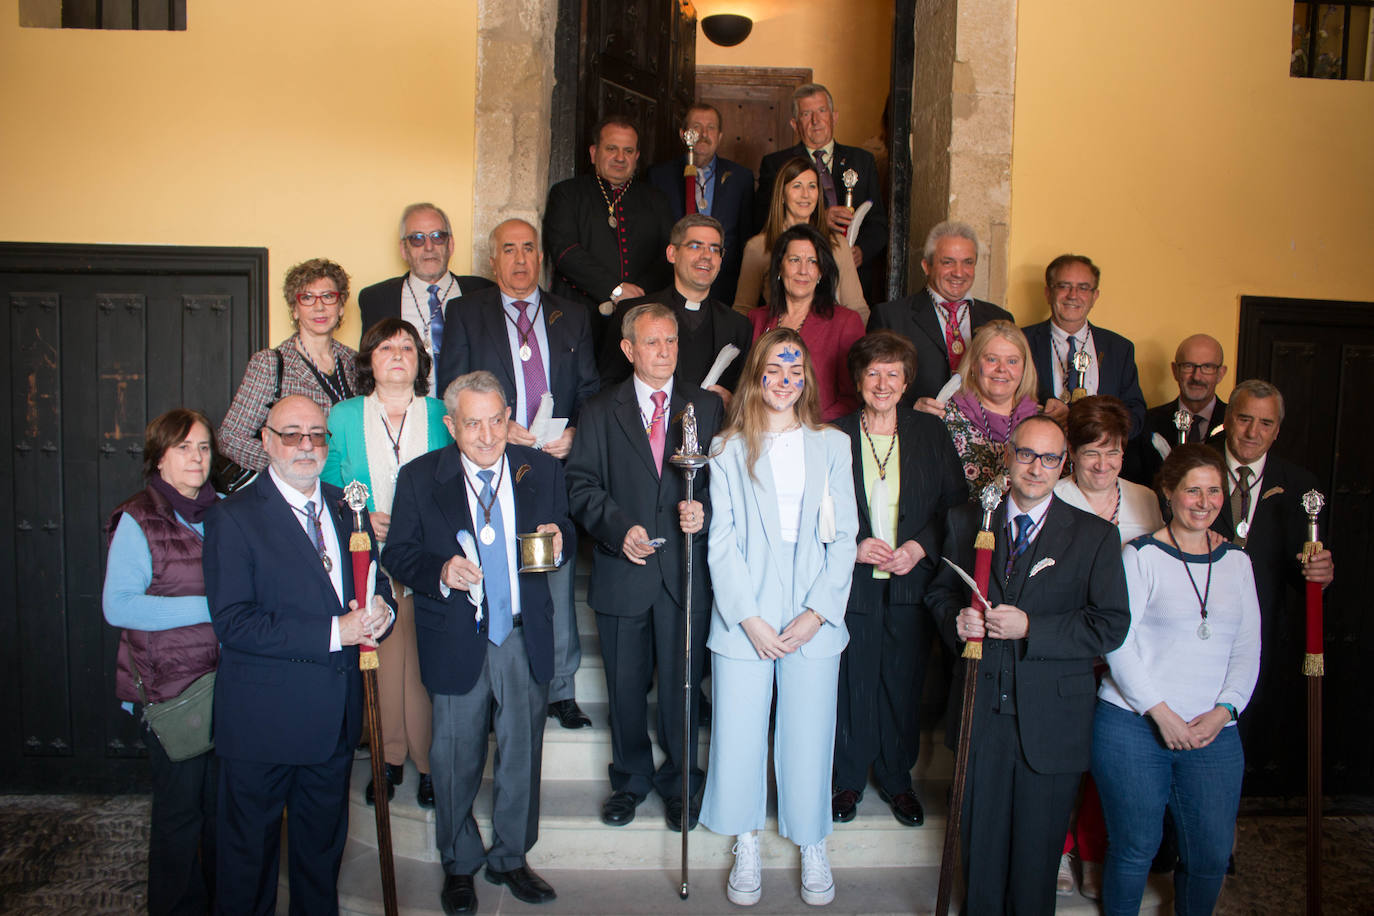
[
  {"x": 370, "y": 437},
  {"x": 781, "y": 552}
]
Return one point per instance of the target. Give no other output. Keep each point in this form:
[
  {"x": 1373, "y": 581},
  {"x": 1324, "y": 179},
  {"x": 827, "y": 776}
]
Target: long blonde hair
[
  {"x": 748, "y": 413},
  {"x": 968, "y": 366}
]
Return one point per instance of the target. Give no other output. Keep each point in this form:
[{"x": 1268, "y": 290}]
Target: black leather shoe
[
  {"x": 906, "y": 807},
  {"x": 844, "y": 805},
  {"x": 619, "y": 809},
  {"x": 524, "y": 884},
  {"x": 424, "y": 796},
  {"x": 672, "y": 814},
  {"x": 458, "y": 895},
  {"x": 569, "y": 714},
  {"x": 394, "y": 776}
]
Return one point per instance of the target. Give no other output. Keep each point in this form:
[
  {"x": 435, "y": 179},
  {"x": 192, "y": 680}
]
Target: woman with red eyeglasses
[{"x": 310, "y": 362}]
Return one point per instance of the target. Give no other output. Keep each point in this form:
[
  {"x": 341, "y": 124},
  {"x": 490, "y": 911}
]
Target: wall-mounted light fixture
[{"x": 727, "y": 29}]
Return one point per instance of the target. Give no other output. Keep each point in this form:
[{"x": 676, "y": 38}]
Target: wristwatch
[{"x": 618, "y": 291}]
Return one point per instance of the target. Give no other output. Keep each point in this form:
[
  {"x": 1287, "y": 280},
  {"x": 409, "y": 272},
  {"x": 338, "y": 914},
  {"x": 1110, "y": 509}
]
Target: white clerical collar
[{"x": 690, "y": 304}]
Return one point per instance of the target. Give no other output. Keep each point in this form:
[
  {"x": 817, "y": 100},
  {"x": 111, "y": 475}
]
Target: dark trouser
[
  {"x": 458, "y": 755},
  {"x": 181, "y": 844},
  {"x": 1013, "y": 824},
  {"x": 881, "y": 673},
  {"x": 567, "y": 646},
  {"x": 251, "y": 798},
  {"x": 631, "y": 648}
]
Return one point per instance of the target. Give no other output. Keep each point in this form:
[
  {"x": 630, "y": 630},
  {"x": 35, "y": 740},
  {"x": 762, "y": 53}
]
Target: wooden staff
[
  {"x": 973, "y": 652},
  {"x": 360, "y": 551},
  {"x": 1314, "y": 667},
  {"x": 688, "y": 459}
]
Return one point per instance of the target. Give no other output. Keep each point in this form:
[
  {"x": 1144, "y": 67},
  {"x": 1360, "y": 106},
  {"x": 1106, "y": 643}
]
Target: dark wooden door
[
  {"x": 100, "y": 340},
  {"x": 1320, "y": 354},
  {"x": 756, "y": 104},
  {"x": 628, "y": 57}
]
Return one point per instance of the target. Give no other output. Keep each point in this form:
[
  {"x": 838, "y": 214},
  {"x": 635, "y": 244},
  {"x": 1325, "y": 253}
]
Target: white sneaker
[
  {"x": 817, "y": 884},
  {"x": 746, "y": 879},
  {"x": 1064, "y": 883}
]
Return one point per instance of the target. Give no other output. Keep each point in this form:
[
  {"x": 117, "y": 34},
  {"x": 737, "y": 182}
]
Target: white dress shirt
[
  {"x": 644, "y": 395},
  {"x": 1037, "y": 517},
  {"x": 505, "y": 495},
  {"x": 1059, "y": 358},
  {"x": 415, "y": 309},
  {"x": 942, "y": 314},
  {"x": 540, "y": 333},
  {"x": 297, "y": 500},
  {"x": 1233, "y": 466}
]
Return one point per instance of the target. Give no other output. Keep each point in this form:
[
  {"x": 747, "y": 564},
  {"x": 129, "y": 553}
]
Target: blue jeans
[{"x": 1137, "y": 777}]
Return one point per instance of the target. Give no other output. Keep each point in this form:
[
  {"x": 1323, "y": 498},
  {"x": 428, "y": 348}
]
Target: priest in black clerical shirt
[
  {"x": 604, "y": 232},
  {"x": 704, "y": 325}
]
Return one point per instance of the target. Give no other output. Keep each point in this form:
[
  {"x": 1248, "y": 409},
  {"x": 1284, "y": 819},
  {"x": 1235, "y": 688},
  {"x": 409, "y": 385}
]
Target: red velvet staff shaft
[
  {"x": 1314, "y": 667},
  {"x": 973, "y": 653},
  {"x": 360, "y": 550},
  {"x": 690, "y": 179}
]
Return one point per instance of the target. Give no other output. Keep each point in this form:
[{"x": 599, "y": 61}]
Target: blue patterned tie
[
  {"x": 1071, "y": 380},
  {"x": 495, "y": 567},
  {"x": 436, "y": 321},
  {"x": 1024, "y": 526}
]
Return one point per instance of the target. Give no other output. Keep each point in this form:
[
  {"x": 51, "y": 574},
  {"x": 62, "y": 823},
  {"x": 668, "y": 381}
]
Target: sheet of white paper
[
  {"x": 724, "y": 358},
  {"x": 859, "y": 213},
  {"x": 553, "y": 428},
  {"x": 541, "y": 419},
  {"x": 951, "y": 386},
  {"x": 1160, "y": 445},
  {"x": 469, "y": 548}
]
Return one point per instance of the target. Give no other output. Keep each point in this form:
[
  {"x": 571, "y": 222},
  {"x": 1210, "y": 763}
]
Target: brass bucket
[{"x": 536, "y": 552}]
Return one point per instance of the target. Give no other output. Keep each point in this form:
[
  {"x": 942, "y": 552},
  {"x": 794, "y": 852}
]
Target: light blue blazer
[
  {"x": 347, "y": 459},
  {"x": 745, "y": 545}
]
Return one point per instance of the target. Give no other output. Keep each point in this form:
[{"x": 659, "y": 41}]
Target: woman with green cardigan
[{"x": 370, "y": 436}]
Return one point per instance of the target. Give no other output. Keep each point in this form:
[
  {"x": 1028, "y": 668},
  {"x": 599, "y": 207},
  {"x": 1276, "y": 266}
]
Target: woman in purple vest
[{"x": 155, "y": 591}]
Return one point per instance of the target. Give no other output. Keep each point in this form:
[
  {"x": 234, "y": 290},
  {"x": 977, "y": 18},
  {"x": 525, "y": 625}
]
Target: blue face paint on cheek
[{"x": 799, "y": 383}]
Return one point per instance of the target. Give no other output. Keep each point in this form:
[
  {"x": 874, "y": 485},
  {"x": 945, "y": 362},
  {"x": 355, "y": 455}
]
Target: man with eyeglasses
[
  {"x": 1074, "y": 358},
  {"x": 1058, "y": 601},
  {"x": 603, "y": 232},
  {"x": 420, "y": 295},
  {"x": 814, "y": 118},
  {"x": 723, "y": 189},
  {"x": 1199, "y": 366},
  {"x": 288, "y": 693},
  {"x": 705, "y": 324},
  {"x": 535, "y": 343}
]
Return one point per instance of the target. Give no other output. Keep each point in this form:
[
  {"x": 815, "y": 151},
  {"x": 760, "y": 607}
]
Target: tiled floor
[{"x": 85, "y": 854}]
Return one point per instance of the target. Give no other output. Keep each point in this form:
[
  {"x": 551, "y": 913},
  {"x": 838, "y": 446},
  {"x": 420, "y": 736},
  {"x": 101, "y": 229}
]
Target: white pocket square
[{"x": 1043, "y": 564}]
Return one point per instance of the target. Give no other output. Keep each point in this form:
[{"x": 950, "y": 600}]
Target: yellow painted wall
[
  {"x": 847, "y": 45},
  {"x": 304, "y": 127},
  {"x": 1167, "y": 142}
]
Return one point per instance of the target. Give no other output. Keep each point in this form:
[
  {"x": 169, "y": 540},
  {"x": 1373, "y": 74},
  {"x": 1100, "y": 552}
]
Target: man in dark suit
[
  {"x": 1071, "y": 355},
  {"x": 420, "y": 295},
  {"x": 486, "y": 660},
  {"x": 724, "y": 190},
  {"x": 939, "y": 320},
  {"x": 624, "y": 492},
  {"x": 1198, "y": 367},
  {"x": 814, "y": 118},
  {"x": 1263, "y": 514},
  {"x": 496, "y": 329},
  {"x": 1058, "y": 596},
  {"x": 288, "y": 695},
  {"x": 704, "y": 324},
  {"x": 605, "y": 232}
]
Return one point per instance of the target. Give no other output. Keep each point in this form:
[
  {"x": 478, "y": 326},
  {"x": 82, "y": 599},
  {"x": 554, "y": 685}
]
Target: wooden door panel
[
  {"x": 756, "y": 104},
  {"x": 100, "y": 339}
]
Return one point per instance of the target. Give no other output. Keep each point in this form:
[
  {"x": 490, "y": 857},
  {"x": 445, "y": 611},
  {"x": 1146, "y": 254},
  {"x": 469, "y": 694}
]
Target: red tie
[
  {"x": 954, "y": 338},
  {"x": 658, "y": 429}
]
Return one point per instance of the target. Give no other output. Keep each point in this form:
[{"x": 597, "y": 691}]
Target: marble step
[
  {"x": 876, "y": 891},
  {"x": 571, "y": 834}
]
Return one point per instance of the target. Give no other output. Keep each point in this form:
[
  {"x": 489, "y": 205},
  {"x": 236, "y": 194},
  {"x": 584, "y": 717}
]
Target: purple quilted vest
[{"x": 168, "y": 660}]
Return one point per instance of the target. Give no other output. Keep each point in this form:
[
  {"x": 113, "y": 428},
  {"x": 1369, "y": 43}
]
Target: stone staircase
[{"x": 880, "y": 865}]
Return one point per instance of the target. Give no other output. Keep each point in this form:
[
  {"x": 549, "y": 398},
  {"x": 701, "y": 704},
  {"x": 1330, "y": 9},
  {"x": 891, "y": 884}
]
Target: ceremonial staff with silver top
[
  {"x": 689, "y": 171},
  {"x": 688, "y": 459},
  {"x": 1314, "y": 667},
  {"x": 364, "y": 568},
  {"x": 983, "y": 544}
]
